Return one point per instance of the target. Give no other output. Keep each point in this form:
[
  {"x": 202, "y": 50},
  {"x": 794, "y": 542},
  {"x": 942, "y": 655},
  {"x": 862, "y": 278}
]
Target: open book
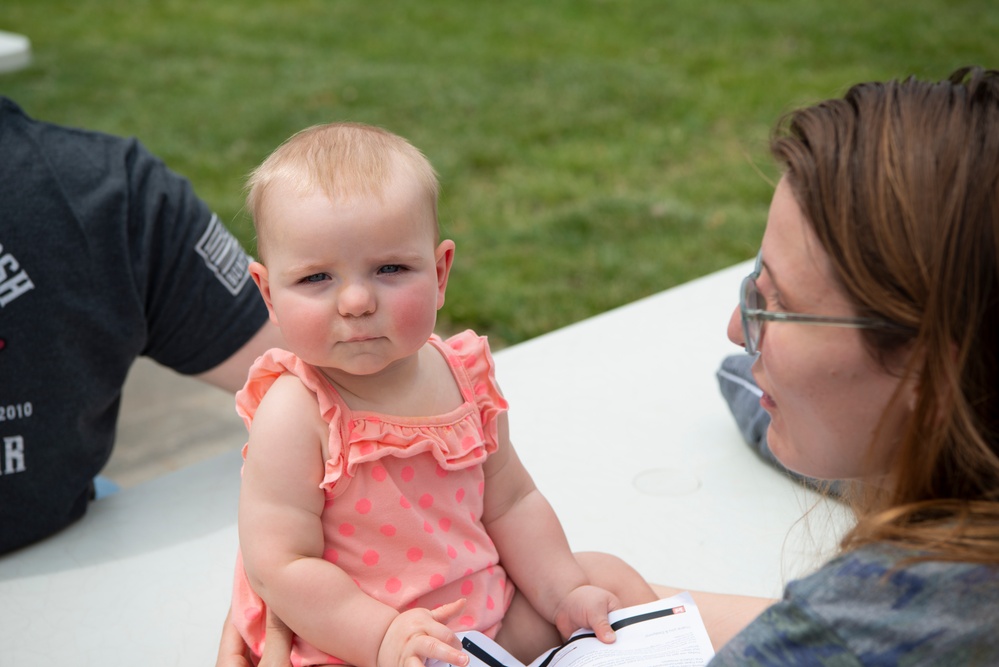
[{"x": 665, "y": 633}]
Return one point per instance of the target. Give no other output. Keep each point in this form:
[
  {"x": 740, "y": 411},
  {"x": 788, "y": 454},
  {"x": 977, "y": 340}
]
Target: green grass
[{"x": 591, "y": 152}]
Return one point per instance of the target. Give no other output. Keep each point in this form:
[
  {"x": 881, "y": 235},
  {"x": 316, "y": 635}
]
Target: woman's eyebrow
[
  {"x": 764, "y": 266},
  {"x": 773, "y": 278}
]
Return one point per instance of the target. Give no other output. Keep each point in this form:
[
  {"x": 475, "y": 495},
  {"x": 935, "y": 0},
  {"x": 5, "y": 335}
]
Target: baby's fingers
[
  {"x": 443, "y": 644},
  {"x": 431, "y": 648},
  {"x": 603, "y": 630},
  {"x": 448, "y": 612},
  {"x": 600, "y": 626},
  {"x": 422, "y": 634},
  {"x": 587, "y": 607}
]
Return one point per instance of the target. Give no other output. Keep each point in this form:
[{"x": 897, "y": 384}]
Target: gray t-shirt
[
  {"x": 105, "y": 255},
  {"x": 868, "y": 608}
]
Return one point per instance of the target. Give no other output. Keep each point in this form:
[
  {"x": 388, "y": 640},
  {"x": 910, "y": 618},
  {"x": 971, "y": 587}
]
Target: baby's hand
[
  {"x": 587, "y": 607},
  {"x": 420, "y": 634}
]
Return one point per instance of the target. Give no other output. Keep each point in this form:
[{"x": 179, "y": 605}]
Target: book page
[{"x": 664, "y": 633}]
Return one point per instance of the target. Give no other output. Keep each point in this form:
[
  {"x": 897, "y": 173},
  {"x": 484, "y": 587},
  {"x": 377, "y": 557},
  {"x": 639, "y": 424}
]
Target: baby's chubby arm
[
  {"x": 281, "y": 539},
  {"x": 534, "y": 550}
]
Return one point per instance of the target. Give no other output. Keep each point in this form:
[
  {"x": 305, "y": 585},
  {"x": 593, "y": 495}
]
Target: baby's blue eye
[
  {"x": 390, "y": 268},
  {"x": 315, "y": 278}
]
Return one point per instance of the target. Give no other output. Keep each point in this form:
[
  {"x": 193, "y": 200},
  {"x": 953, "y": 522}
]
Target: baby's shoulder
[
  {"x": 288, "y": 383},
  {"x": 288, "y": 398}
]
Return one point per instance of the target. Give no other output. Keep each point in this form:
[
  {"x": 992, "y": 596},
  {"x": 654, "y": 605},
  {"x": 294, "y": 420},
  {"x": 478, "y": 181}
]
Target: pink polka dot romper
[{"x": 403, "y": 497}]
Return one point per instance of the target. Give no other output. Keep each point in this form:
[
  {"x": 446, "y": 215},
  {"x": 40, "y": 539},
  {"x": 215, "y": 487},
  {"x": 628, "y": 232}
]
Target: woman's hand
[
  {"x": 421, "y": 634},
  {"x": 233, "y": 651},
  {"x": 587, "y": 607},
  {"x": 277, "y": 643}
]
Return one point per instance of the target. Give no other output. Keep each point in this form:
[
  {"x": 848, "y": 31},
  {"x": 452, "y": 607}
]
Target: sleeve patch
[{"x": 224, "y": 256}]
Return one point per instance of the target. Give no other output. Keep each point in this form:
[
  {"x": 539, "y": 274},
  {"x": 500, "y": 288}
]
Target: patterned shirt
[{"x": 868, "y": 607}]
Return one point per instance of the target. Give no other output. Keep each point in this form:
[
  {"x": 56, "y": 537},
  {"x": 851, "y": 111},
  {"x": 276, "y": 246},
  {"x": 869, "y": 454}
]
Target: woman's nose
[{"x": 735, "y": 333}]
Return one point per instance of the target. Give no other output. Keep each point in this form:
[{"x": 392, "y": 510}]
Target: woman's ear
[
  {"x": 913, "y": 369},
  {"x": 445, "y": 257},
  {"x": 911, "y": 390}
]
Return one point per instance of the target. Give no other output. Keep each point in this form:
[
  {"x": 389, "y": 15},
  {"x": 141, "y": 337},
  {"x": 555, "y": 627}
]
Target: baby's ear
[
  {"x": 445, "y": 257},
  {"x": 260, "y": 277}
]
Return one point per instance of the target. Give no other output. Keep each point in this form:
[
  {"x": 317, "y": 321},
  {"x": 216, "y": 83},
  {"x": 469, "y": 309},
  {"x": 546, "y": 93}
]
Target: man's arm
[{"x": 230, "y": 375}]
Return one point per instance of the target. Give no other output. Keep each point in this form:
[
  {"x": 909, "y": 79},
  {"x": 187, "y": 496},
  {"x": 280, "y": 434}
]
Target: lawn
[{"x": 591, "y": 152}]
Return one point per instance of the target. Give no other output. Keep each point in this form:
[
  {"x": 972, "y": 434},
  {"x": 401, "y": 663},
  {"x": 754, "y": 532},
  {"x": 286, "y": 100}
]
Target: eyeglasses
[{"x": 753, "y": 309}]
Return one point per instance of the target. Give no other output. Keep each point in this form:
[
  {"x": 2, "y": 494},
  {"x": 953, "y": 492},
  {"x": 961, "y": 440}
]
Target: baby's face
[{"x": 355, "y": 285}]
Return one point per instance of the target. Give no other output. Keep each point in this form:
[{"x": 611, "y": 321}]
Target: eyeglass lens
[{"x": 752, "y": 326}]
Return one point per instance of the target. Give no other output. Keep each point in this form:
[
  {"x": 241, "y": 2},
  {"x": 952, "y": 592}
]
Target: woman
[{"x": 875, "y": 313}]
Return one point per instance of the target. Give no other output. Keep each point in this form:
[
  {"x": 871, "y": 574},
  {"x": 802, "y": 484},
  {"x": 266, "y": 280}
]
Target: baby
[{"x": 382, "y": 505}]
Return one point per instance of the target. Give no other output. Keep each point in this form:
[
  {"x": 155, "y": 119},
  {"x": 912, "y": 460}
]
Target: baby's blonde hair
[{"x": 343, "y": 161}]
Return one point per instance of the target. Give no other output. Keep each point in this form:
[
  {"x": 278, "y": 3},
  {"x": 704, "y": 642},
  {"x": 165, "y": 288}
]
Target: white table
[
  {"x": 15, "y": 51},
  {"x": 618, "y": 418}
]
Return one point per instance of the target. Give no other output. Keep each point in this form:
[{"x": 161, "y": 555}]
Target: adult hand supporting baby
[
  {"x": 420, "y": 634},
  {"x": 233, "y": 651}
]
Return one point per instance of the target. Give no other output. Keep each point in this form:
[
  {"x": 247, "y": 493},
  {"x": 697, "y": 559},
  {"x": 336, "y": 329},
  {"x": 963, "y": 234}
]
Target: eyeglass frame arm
[{"x": 819, "y": 320}]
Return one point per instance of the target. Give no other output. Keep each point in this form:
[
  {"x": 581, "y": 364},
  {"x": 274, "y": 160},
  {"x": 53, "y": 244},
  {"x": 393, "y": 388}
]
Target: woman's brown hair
[{"x": 900, "y": 181}]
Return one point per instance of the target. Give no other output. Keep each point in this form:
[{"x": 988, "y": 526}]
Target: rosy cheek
[
  {"x": 302, "y": 323},
  {"x": 413, "y": 314},
  {"x": 411, "y": 317}
]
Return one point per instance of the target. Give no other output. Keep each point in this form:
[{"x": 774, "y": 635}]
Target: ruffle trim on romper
[{"x": 370, "y": 436}]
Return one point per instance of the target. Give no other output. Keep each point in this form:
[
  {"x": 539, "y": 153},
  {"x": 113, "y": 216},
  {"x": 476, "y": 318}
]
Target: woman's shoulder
[
  {"x": 904, "y": 575},
  {"x": 878, "y": 601},
  {"x": 884, "y": 584},
  {"x": 889, "y": 599}
]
